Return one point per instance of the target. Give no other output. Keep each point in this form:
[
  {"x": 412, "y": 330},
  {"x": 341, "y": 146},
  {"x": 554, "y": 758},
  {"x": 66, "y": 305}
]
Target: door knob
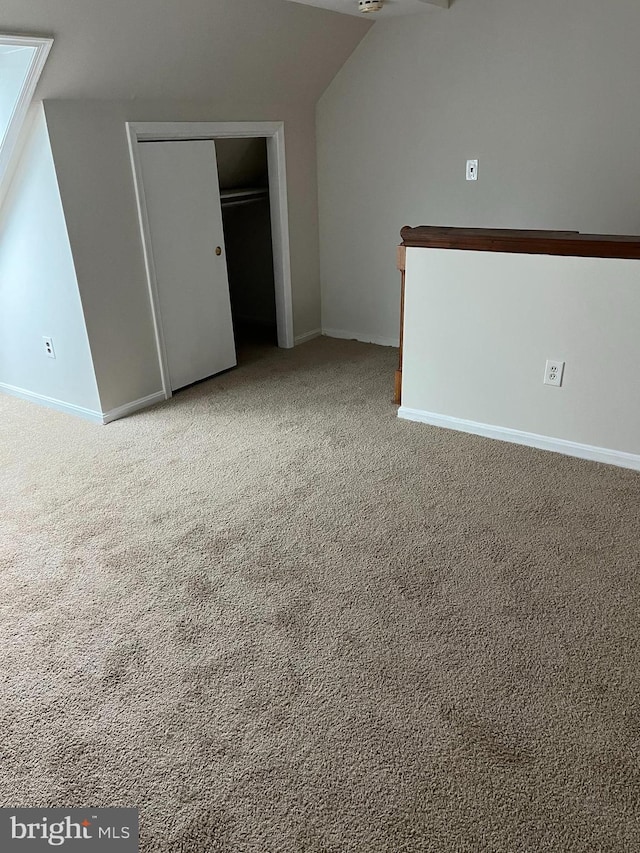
[{"x": 218, "y": 250}]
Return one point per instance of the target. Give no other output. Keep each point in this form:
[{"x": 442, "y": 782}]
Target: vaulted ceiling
[{"x": 248, "y": 51}]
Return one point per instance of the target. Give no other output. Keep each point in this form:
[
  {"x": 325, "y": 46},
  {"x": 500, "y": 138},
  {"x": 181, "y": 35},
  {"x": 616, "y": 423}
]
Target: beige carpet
[{"x": 279, "y": 620}]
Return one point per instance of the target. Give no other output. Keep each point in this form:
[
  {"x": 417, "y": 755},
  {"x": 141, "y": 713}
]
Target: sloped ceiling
[{"x": 247, "y": 51}]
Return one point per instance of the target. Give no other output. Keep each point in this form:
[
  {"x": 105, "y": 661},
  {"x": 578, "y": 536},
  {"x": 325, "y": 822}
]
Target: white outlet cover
[
  {"x": 48, "y": 346},
  {"x": 391, "y": 8},
  {"x": 553, "y": 372}
]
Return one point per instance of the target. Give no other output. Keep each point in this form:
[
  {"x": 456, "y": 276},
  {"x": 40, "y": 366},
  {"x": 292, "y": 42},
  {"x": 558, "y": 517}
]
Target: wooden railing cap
[{"x": 523, "y": 242}]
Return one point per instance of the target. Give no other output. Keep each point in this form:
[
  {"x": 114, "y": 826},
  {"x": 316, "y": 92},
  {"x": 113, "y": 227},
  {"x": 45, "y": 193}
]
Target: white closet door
[{"x": 185, "y": 221}]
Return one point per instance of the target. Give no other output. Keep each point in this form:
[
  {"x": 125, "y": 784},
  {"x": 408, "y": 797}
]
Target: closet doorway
[
  {"x": 243, "y": 179},
  {"x": 251, "y": 196}
]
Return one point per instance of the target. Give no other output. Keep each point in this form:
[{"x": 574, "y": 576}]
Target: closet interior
[{"x": 244, "y": 197}]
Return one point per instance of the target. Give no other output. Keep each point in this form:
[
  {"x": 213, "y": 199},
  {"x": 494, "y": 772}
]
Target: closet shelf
[{"x": 243, "y": 195}]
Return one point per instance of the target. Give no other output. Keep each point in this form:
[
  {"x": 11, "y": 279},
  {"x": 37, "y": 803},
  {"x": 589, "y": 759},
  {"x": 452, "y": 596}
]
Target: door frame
[{"x": 273, "y": 132}]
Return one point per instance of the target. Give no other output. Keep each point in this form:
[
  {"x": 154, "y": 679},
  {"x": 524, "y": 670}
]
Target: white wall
[
  {"x": 259, "y": 60},
  {"x": 479, "y": 327},
  {"x": 545, "y": 95},
  {"x": 38, "y": 287}
]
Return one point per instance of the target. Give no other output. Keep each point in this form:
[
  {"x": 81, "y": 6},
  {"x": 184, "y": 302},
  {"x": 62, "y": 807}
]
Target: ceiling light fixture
[{"x": 370, "y": 5}]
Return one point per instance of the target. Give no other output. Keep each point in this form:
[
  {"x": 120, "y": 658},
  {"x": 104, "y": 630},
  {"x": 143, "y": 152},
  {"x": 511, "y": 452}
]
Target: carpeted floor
[{"x": 279, "y": 620}]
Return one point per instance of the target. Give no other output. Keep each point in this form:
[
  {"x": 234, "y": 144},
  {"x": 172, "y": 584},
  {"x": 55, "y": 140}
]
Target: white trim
[
  {"x": 361, "y": 336},
  {"x": 273, "y": 132},
  {"x": 51, "y": 403},
  {"x": 80, "y": 411},
  {"x": 276, "y": 163},
  {"x": 43, "y": 46},
  {"x": 167, "y": 130},
  {"x": 529, "y": 439},
  {"x": 134, "y": 406},
  {"x": 152, "y": 282},
  {"x": 308, "y": 336}
]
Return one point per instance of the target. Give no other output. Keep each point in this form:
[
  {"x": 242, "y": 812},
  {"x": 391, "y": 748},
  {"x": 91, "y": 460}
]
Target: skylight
[{"x": 22, "y": 59}]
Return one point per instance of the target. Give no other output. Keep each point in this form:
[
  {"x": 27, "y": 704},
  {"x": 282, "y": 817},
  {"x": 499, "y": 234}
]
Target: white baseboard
[
  {"x": 529, "y": 439},
  {"x": 51, "y": 403},
  {"x": 362, "y": 337},
  {"x": 134, "y": 406},
  {"x": 79, "y": 411},
  {"x": 308, "y": 336}
]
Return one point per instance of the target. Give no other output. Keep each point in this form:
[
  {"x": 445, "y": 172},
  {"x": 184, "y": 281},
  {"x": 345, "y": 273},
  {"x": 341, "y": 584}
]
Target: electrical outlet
[
  {"x": 553, "y": 372},
  {"x": 48, "y": 346},
  {"x": 472, "y": 170}
]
